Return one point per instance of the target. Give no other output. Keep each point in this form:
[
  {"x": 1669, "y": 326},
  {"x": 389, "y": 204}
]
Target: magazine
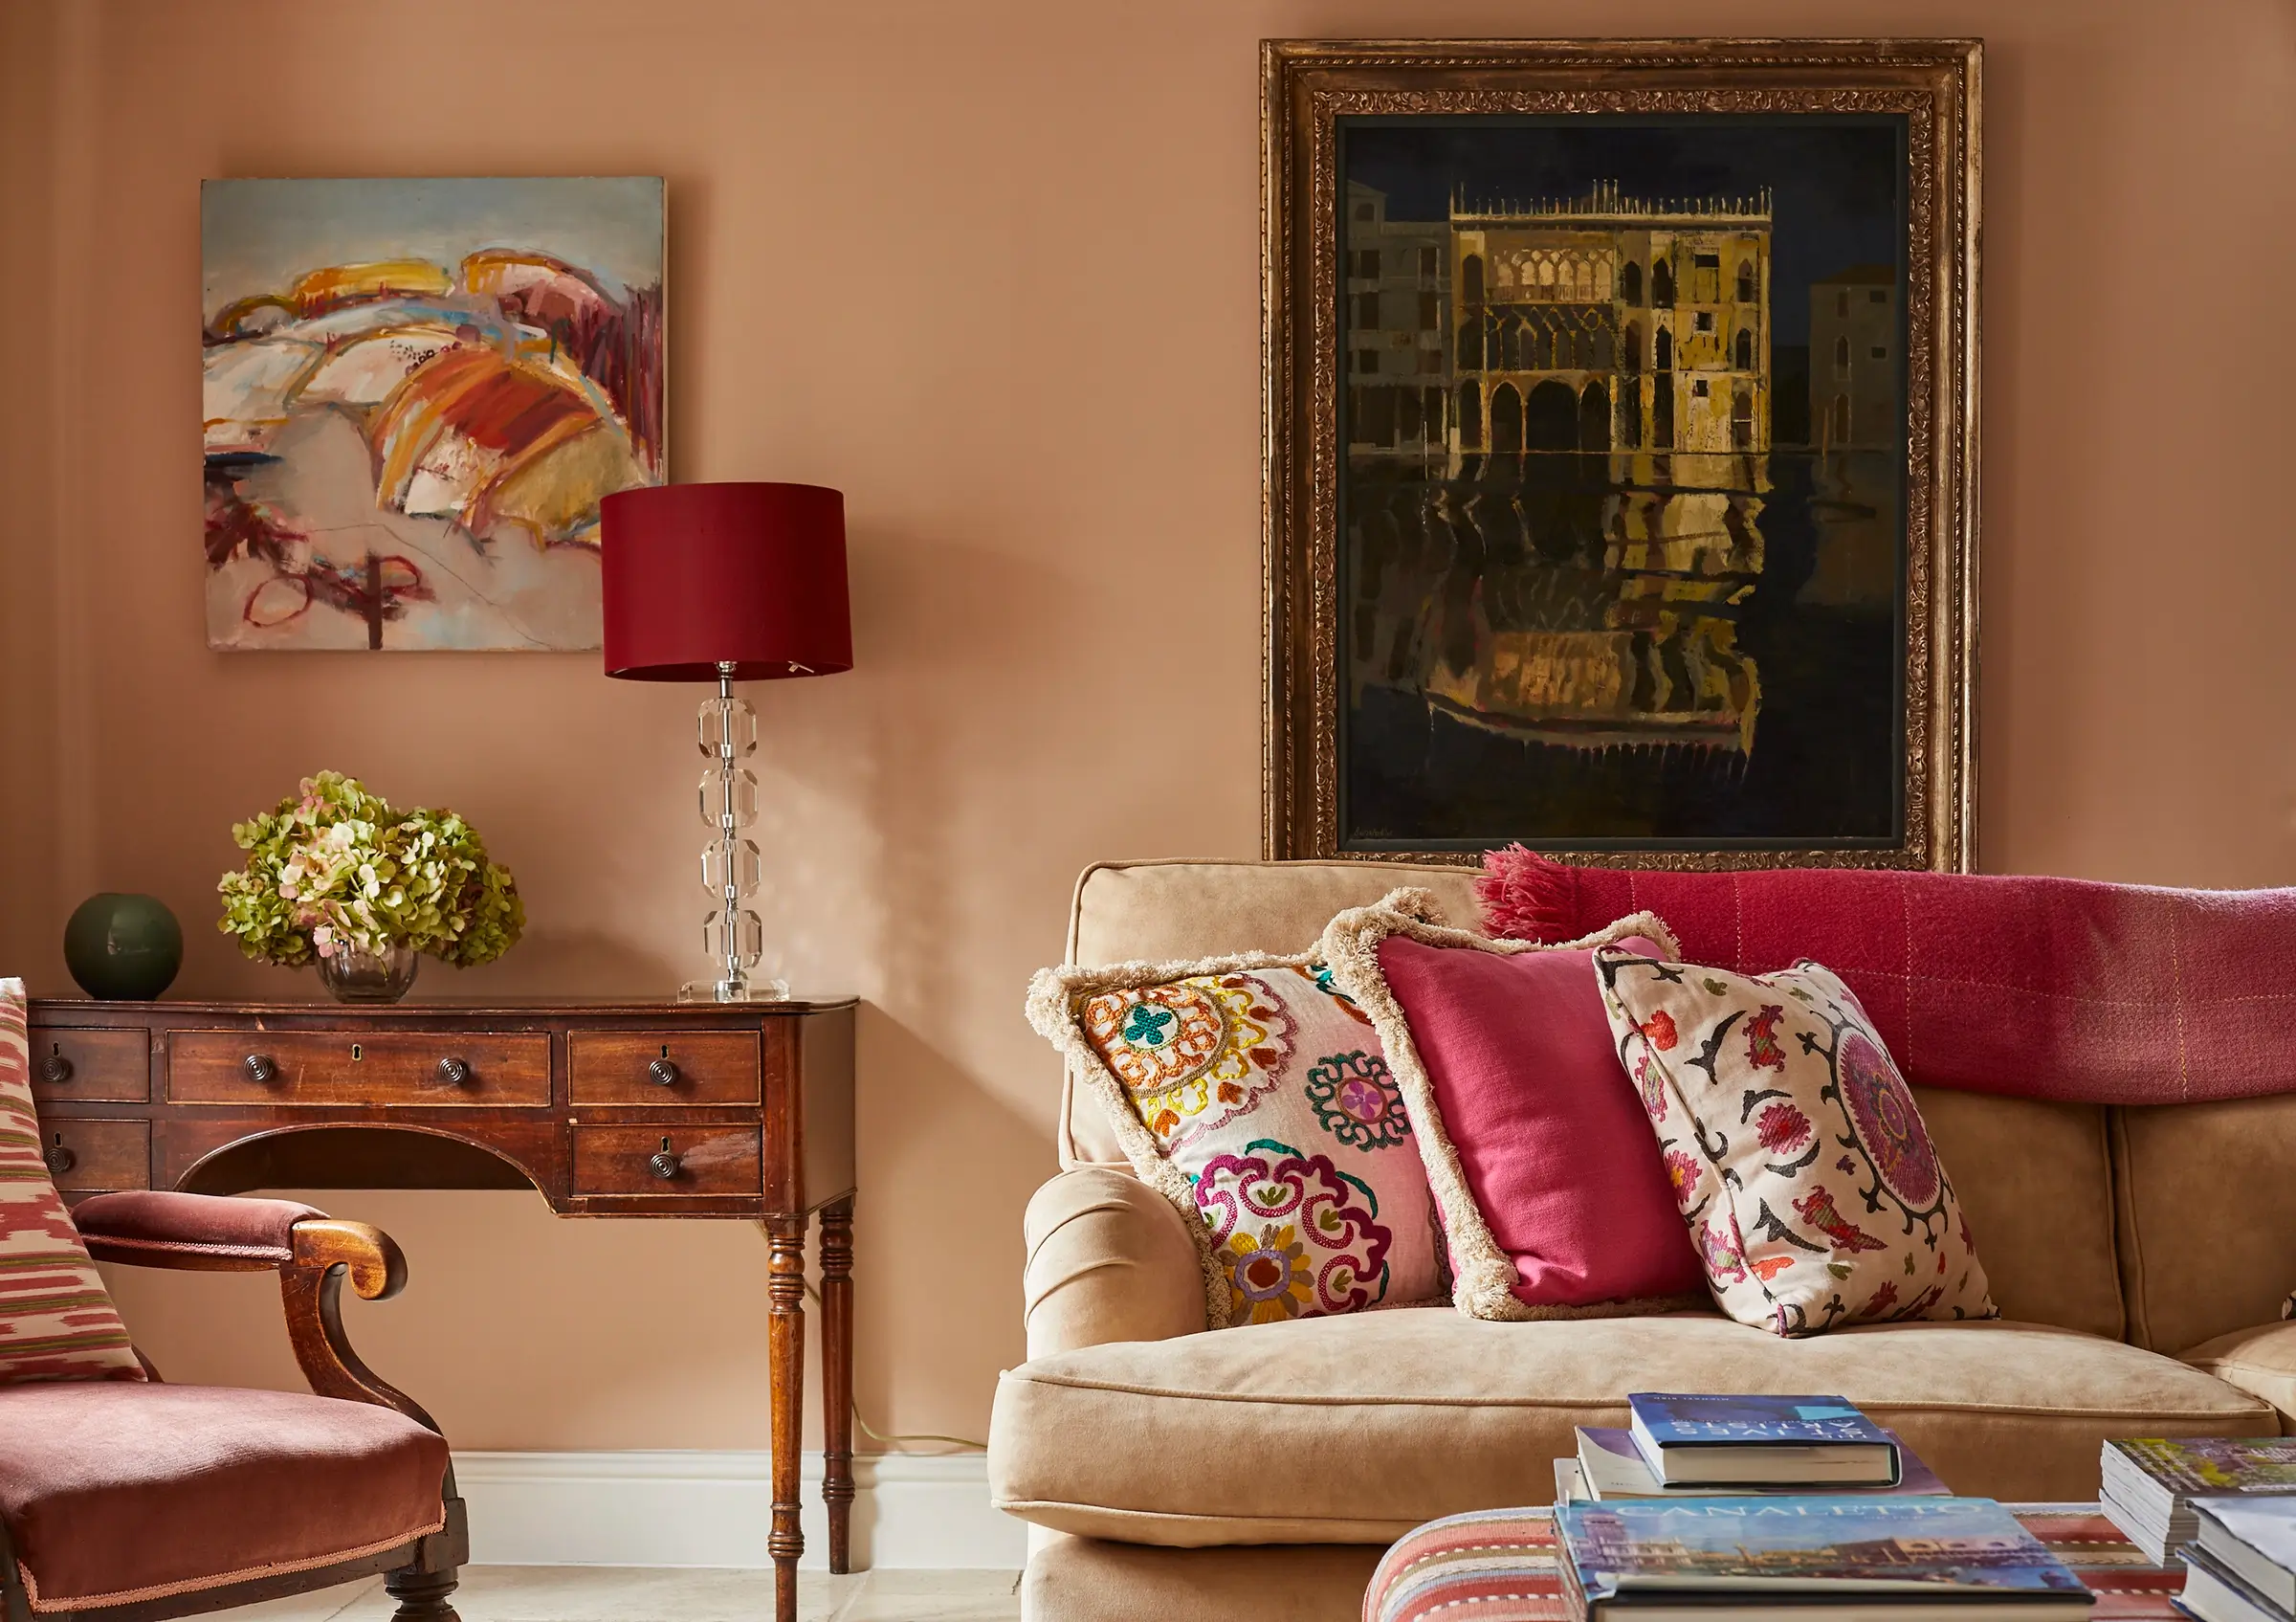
[
  {"x": 2149, "y": 1482},
  {"x": 2220, "y": 1465}
]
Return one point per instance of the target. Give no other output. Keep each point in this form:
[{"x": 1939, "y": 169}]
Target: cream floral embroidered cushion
[
  {"x": 56, "y": 1321},
  {"x": 1800, "y": 1164},
  {"x": 1256, "y": 1099}
]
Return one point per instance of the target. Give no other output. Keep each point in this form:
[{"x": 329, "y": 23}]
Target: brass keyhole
[
  {"x": 358, "y": 1051},
  {"x": 664, "y": 1050}
]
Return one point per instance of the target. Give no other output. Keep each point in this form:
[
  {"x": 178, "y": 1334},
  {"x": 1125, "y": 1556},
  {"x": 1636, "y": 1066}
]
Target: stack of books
[
  {"x": 2150, "y": 1482},
  {"x": 1684, "y": 1446},
  {"x": 1812, "y": 1559},
  {"x": 2242, "y": 1568}
]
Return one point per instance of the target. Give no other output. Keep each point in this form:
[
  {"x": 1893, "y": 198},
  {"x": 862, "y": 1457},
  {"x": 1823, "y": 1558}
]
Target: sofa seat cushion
[
  {"x": 1355, "y": 1430},
  {"x": 115, "y": 1493},
  {"x": 2260, "y": 1361}
]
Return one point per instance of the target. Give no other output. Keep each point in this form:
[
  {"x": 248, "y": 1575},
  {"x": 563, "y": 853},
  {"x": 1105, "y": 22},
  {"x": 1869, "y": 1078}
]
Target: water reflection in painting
[{"x": 1623, "y": 513}]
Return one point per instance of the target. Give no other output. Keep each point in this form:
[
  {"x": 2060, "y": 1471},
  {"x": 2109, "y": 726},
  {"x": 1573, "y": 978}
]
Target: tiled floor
[{"x": 626, "y": 1594}]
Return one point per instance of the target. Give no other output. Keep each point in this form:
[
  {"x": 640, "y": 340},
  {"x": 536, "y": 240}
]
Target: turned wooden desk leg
[
  {"x": 786, "y": 1288},
  {"x": 837, "y": 1378}
]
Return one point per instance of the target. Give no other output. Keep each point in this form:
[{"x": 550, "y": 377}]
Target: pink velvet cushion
[
  {"x": 1548, "y": 1131},
  {"x": 241, "y": 1229},
  {"x": 115, "y": 1491}
]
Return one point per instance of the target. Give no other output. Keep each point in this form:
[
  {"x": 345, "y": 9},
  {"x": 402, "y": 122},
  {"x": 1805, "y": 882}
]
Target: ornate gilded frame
[{"x": 1308, "y": 85}]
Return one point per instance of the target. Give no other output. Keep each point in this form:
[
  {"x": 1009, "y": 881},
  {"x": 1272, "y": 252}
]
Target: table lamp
[{"x": 726, "y": 583}]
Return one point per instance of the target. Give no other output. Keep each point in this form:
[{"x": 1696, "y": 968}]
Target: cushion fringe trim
[
  {"x": 1483, "y": 1283},
  {"x": 1052, "y": 997}
]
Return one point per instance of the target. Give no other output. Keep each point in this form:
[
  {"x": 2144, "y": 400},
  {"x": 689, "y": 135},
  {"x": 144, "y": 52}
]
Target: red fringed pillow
[{"x": 1553, "y": 1204}]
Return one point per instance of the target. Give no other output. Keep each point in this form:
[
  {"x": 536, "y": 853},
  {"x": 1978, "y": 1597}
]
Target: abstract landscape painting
[
  {"x": 415, "y": 394},
  {"x": 1620, "y": 473}
]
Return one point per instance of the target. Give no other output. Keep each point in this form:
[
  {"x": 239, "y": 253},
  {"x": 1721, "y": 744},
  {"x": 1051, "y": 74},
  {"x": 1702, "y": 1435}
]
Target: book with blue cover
[
  {"x": 1611, "y": 1466},
  {"x": 1758, "y": 1440},
  {"x": 1644, "y": 1559}
]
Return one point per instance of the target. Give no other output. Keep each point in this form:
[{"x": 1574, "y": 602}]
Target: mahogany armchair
[{"x": 125, "y": 1502}]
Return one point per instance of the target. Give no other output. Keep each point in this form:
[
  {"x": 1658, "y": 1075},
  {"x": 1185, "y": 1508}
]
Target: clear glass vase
[{"x": 354, "y": 977}]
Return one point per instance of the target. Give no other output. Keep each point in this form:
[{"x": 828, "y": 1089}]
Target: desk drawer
[
  {"x": 86, "y": 1156},
  {"x": 438, "y": 1069},
  {"x": 704, "y": 1067},
  {"x": 110, "y": 1067},
  {"x": 711, "y": 1159}
]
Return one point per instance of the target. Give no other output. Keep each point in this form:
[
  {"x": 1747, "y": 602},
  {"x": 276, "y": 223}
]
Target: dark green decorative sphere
[{"x": 123, "y": 947}]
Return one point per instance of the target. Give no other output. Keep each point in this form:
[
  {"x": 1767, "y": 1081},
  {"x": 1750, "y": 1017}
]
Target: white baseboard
[{"x": 715, "y": 1509}]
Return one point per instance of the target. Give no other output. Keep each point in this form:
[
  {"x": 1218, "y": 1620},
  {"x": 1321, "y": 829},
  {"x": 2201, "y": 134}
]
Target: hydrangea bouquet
[{"x": 334, "y": 870}]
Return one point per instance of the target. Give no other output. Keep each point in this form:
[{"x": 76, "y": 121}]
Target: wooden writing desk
[{"x": 609, "y": 1109}]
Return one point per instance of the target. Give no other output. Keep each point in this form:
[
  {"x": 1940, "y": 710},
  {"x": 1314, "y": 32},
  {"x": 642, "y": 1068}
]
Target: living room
[{"x": 997, "y": 274}]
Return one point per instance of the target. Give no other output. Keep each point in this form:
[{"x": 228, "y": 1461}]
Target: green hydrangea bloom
[{"x": 336, "y": 867}]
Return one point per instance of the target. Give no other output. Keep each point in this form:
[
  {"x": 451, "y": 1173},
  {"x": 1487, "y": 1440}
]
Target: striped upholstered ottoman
[{"x": 1498, "y": 1565}]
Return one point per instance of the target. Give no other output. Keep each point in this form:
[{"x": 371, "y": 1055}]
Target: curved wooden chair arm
[
  {"x": 325, "y": 1252},
  {"x": 377, "y": 1266},
  {"x": 313, "y": 1254}
]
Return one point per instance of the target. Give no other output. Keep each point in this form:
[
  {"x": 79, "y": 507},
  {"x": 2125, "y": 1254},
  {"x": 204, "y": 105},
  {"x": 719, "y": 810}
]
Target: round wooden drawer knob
[
  {"x": 262, "y": 1070},
  {"x": 61, "y": 1159},
  {"x": 453, "y": 1072},
  {"x": 662, "y": 1072},
  {"x": 663, "y": 1163},
  {"x": 56, "y": 1068}
]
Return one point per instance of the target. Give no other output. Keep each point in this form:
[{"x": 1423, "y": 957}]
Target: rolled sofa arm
[
  {"x": 1109, "y": 1259},
  {"x": 2260, "y": 1361}
]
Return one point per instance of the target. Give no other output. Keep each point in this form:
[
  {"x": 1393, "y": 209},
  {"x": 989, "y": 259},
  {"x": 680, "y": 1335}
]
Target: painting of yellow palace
[{"x": 1622, "y": 547}]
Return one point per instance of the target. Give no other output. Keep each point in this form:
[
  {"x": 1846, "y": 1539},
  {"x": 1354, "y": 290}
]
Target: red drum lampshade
[{"x": 700, "y": 575}]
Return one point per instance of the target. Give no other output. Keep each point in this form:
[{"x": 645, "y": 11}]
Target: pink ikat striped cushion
[{"x": 55, "y": 1321}]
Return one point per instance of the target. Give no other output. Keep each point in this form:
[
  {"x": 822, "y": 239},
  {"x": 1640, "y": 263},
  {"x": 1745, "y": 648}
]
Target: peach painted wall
[{"x": 992, "y": 270}]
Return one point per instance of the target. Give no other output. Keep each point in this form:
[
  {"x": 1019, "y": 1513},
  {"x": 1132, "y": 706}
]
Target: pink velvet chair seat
[{"x": 119, "y": 1492}]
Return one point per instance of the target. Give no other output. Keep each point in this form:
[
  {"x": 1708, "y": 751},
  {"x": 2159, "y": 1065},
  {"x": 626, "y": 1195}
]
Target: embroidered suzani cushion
[
  {"x": 1255, "y": 1097},
  {"x": 1798, "y": 1161},
  {"x": 56, "y": 1321},
  {"x": 1533, "y": 1138}
]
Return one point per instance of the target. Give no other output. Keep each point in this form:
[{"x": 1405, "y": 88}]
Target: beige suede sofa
[{"x": 2139, "y": 1257}]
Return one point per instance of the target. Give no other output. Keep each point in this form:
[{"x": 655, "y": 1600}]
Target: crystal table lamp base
[
  {"x": 744, "y": 990},
  {"x": 730, "y": 867}
]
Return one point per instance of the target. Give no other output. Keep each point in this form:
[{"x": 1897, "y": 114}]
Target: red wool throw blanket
[{"x": 2043, "y": 987}]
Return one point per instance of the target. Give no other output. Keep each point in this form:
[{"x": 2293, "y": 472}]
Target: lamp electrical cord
[{"x": 957, "y": 1444}]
